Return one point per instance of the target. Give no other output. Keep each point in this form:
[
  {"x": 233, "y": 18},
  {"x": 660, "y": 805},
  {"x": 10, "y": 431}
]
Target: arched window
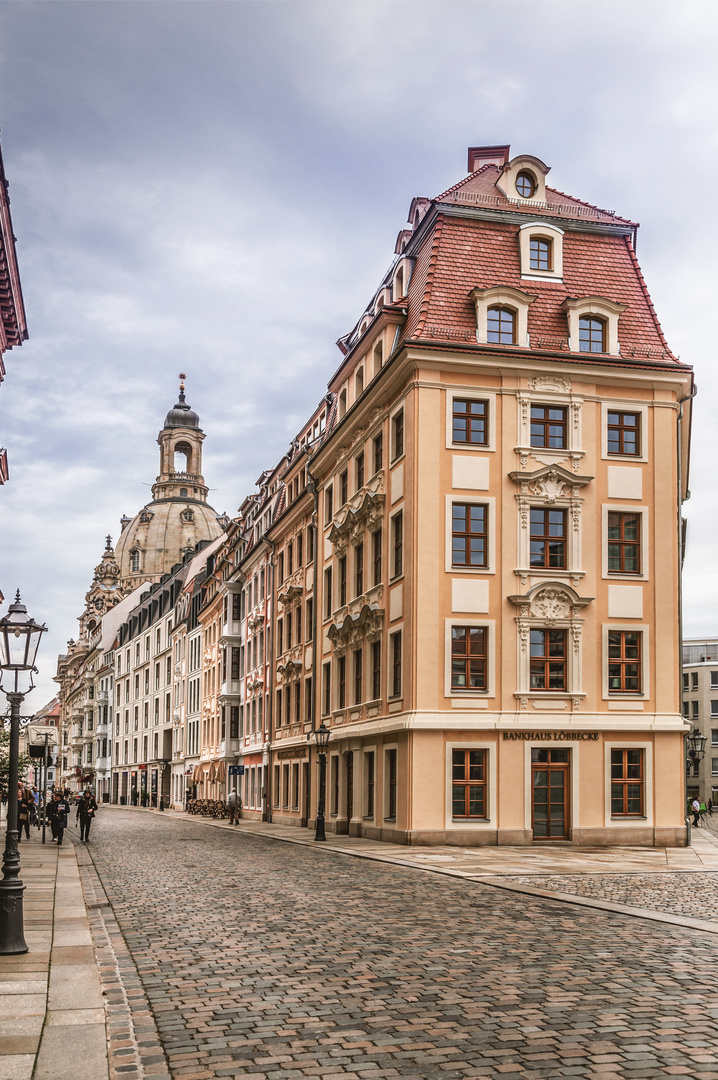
[
  {"x": 135, "y": 561},
  {"x": 541, "y": 253},
  {"x": 501, "y": 326},
  {"x": 359, "y": 383},
  {"x": 525, "y": 184},
  {"x": 399, "y": 284},
  {"x": 591, "y": 334},
  {"x": 378, "y": 356},
  {"x": 183, "y": 493},
  {"x": 342, "y": 403},
  {"x": 183, "y": 457},
  {"x": 187, "y": 515}
]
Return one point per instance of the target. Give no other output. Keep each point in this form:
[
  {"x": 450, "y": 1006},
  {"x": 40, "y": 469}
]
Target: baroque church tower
[{"x": 179, "y": 516}]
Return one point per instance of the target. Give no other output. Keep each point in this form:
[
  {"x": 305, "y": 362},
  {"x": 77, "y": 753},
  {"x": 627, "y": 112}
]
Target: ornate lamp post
[
  {"x": 321, "y": 737},
  {"x": 163, "y": 765},
  {"x": 19, "y": 641},
  {"x": 695, "y": 748}
]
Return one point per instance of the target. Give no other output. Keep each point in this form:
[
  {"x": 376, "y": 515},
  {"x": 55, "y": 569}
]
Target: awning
[
  {"x": 221, "y": 772},
  {"x": 212, "y": 772},
  {"x": 196, "y": 774}
]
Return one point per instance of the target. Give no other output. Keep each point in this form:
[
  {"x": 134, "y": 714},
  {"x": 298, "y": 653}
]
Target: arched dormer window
[
  {"x": 359, "y": 383},
  {"x": 378, "y": 356},
  {"x": 187, "y": 515},
  {"x": 593, "y": 324},
  {"x": 398, "y": 290},
  {"x": 501, "y": 326},
  {"x": 342, "y": 403},
  {"x": 135, "y": 559},
  {"x": 541, "y": 251},
  {"x": 508, "y": 308},
  {"x": 591, "y": 334}
]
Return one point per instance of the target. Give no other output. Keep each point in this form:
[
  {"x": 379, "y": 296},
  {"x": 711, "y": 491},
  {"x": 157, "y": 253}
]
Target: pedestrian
[
  {"x": 710, "y": 807},
  {"x": 696, "y": 808},
  {"x": 57, "y": 812},
  {"x": 232, "y": 805},
  {"x": 23, "y": 814},
  {"x": 85, "y": 813},
  {"x": 704, "y": 810}
]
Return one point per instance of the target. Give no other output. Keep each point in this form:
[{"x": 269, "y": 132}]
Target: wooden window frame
[
  {"x": 359, "y": 470},
  {"x": 546, "y": 538},
  {"x": 397, "y": 432},
  {"x": 378, "y": 451},
  {"x": 396, "y": 663},
  {"x": 621, "y": 781},
  {"x": 619, "y": 545},
  {"x": 586, "y": 325},
  {"x": 465, "y": 416},
  {"x": 377, "y": 540},
  {"x": 397, "y": 544},
  {"x": 464, "y": 537},
  {"x": 391, "y": 760},
  {"x": 622, "y": 429},
  {"x": 467, "y": 663},
  {"x": 341, "y": 682},
  {"x": 621, "y": 662},
  {"x": 328, "y": 590},
  {"x": 342, "y": 568},
  {"x": 370, "y": 773},
  {"x": 327, "y": 689},
  {"x": 328, "y": 504},
  {"x": 546, "y": 422},
  {"x": 535, "y": 256},
  {"x": 500, "y": 315},
  {"x": 525, "y": 177},
  {"x": 466, "y": 782},
  {"x": 358, "y": 676},
  {"x": 359, "y": 570},
  {"x": 541, "y": 663},
  {"x": 376, "y": 670},
  {"x": 344, "y": 487}
]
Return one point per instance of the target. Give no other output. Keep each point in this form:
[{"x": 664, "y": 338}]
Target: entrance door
[
  {"x": 549, "y": 793},
  {"x": 350, "y": 786}
]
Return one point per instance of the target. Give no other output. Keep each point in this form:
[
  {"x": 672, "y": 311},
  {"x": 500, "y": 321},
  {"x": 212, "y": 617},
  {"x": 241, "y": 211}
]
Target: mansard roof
[{"x": 13, "y": 327}]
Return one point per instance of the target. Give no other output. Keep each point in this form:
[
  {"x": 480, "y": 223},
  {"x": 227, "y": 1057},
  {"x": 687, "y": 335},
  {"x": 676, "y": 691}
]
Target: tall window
[
  {"x": 378, "y": 446},
  {"x": 235, "y": 664},
  {"x": 501, "y": 326},
  {"x": 327, "y": 689},
  {"x": 548, "y": 538},
  {"x": 398, "y": 435},
  {"x": 376, "y": 543},
  {"x": 468, "y": 534},
  {"x": 342, "y": 679},
  {"x": 468, "y": 783},
  {"x": 397, "y": 525},
  {"x": 623, "y": 433},
  {"x": 342, "y": 581},
  {"x": 548, "y": 660},
  {"x": 329, "y": 504},
  {"x": 391, "y": 783},
  {"x": 369, "y": 773},
  {"x": 548, "y": 427},
  {"x": 624, "y": 543},
  {"x": 591, "y": 334},
  {"x": 358, "y": 676},
  {"x": 328, "y": 593},
  {"x": 290, "y": 558},
  {"x": 396, "y": 664},
  {"x": 376, "y": 670},
  {"x": 468, "y": 658},
  {"x": 135, "y": 562},
  {"x": 344, "y": 487},
  {"x": 540, "y": 253},
  {"x": 360, "y": 471},
  {"x": 359, "y": 570},
  {"x": 624, "y": 662},
  {"x": 300, "y": 548},
  {"x": 627, "y": 783},
  {"x": 469, "y": 422}
]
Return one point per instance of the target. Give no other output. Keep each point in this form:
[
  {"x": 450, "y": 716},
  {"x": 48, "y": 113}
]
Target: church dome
[
  {"x": 180, "y": 415},
  {"x": 159, "y": 536}
]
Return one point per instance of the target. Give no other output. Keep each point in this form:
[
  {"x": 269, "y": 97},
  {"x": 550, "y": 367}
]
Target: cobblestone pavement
[
  {"x": 694, "y": 894},
  {"x": 271, "y": 960}
]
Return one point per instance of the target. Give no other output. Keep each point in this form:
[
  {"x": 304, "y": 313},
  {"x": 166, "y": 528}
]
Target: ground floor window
[
  {"x": 468, "y": 783},
  {"x": 391, "y": 784},
  {"x": 627, "y": 783}
]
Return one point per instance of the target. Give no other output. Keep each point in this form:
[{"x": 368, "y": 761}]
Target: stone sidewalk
[{"x": 52, "y": 1015}]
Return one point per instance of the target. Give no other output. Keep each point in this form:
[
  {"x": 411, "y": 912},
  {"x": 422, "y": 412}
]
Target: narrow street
[{"x": 266, "y": 959}]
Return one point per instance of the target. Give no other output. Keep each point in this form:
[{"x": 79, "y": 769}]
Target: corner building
[{"x": 497, "y": 560}]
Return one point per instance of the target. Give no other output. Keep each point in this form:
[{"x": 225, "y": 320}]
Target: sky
[{"x": 216, "y": 188}]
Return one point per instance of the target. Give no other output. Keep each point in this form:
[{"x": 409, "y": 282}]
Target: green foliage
[{"x": 5, "y": 761}]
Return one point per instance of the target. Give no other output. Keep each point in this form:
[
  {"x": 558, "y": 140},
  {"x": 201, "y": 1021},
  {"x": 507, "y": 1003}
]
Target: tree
[{"x": 5, "y": 761}]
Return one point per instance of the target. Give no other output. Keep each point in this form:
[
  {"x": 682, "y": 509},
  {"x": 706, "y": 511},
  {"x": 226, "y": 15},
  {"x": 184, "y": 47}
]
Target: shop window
[
  {"x": 468, "y": 784},
  {"x": 627, "y": 783}
]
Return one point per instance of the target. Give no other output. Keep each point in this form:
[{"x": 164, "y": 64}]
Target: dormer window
[
  {"x": 591, "y": 334},
  {"x": 501, "y": 326},
  {"x": 187, "y": 515},
  {"x": 525, "y": 184},
  {"x": 134, "y": 562},
  {"x": 540, "y": 258}
]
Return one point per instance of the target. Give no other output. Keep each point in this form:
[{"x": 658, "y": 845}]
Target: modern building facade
[{"x": 700, "y": 709}]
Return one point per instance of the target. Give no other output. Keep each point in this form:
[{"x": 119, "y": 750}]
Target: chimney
[{"x": 487, "y": 155}]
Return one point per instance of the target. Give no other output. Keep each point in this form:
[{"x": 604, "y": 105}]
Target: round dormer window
[{"x": 525, "y": 184}]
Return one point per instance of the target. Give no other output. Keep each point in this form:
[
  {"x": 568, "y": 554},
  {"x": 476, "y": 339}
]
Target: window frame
[
  {"x": 476, "y": 698},
  {"x": 500, "y": 311},
  {"x": 621, "y": 696},
  {"x": 490, "y": 756},
  {"x": 625, "y": 508},
  {"x": 624, "y": 662},
  {"x": 466, "y": 782},
  {"x": 467, "y": 657},
  {"x": 470, "y": 500},
  {"x": 472, "y": 393},
  {"x": 547, "y": 660},
  {"x": 539, "y": 230},
  {"x": 621, "y": 543},
  {"x": 618, "y": 823},
  {"x": 547, "y": 423},
  {"x": 637, "y": 409},
  {"x": 621, "y": 428},
  {"x": 466, "y": 536},
  {"x": 624, "y": 782}
]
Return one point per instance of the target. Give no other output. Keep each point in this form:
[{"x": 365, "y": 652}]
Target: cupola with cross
[{"x": 180, "y": 442}]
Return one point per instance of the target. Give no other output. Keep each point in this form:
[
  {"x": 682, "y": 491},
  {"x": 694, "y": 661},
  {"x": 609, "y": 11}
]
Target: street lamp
[
  {"x": 321, "y": 737},
  {"x": 695, "y": 748},
  {"x": 19, "y": 641},
  {"x": 163, "y": 765}
]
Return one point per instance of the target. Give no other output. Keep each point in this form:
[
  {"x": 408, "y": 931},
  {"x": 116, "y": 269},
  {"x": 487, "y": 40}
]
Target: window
[
  {"x": 391, "y": 784},
  {"x": 624, "y": 433},
  {"x": 398, "y": 435},
  {"x": 360, "y": 472},
  {"x": 548, "y": 538},
  {"x": 343, "y": 487},
  {"x": 369, "y": 773},
  {"x": 714, "y": 708},
  {"x": 280, "y": 568},
  {"x": 714, "y": 766},
  {"x": 714, "y": 680},
  {"x": 288, "y": 624},
  {"x": 686, "y": 709},
  {"x": 627, "y": 783},
  {"x": 501, "y": 326},
  {"x": 300, "y": 550},
  {"x": 376, "y": 542},
  {"x": 279, "y": 708},
  {"x": 525, "y": 184},
  {"x": 378, "y": 446},
  {"x": 342, "y": 676},
  {"x": 280, "y": 637},
  {"x": 468, "y": 658},
  {"x": 694, "y": 680},
  {"x": 468, "y": 534},
  {"x": 624, "y": 662},
  {"x": 359, "y": 570},
  {"x": 375, "y": 670},
  {"x": 328, "y": 593},
  {"x": 234, "y": 670},
  {"x": 396, "y": 664},
  {"x": 548, "y": 660},
  {"x": 135, "y": 562},
  {"x": 297, "y": 701},
  {"x": 397, "y": 525},
  {"x": 591, "y": 334},
  {"x": 342, "y": 581},
  {"x": 694, "y": 710},
  {"x": 328, "y": 504},
  {"x": 298, "y": 625},
  {"x": 358, "y": 676},
  {"x": 310, "y": 618},
  {"x": 327, "y": 689},
  {"x": 548, "y": 427},
  {"x": 468, "y": 784},
  {"x": 235, "y": 606},
  {"x": 290, "y": 558},
  {"x": 714, "y": 736},
  {"x": 540, "y": 253},
  {"x": 624, "y": 543},
  {"x": 470, "y": 422},
  {"x": 234, "y": 721}
]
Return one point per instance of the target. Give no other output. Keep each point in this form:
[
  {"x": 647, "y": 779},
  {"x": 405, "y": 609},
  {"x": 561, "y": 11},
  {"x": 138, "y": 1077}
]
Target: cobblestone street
[{"x": 266, "y": 959}]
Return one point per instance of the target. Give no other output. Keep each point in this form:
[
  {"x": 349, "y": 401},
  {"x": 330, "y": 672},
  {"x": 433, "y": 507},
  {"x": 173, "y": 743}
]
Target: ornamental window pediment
[
  {"x": 549, "y": 523},
  {"x": 289, "y": 670},
  {"x": 507, "y": 301},
  {"x": 354, "y": 628},
  {"x": 593, "y": 324},
  {"x": 289, "y": 595},
  {"x": 364, "y": 510},
  {"x": 549, "y": 629}
]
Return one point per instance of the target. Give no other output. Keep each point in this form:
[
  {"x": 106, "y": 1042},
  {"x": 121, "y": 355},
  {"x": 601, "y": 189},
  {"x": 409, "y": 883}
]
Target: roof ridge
[{"x": 460, "y": 184}]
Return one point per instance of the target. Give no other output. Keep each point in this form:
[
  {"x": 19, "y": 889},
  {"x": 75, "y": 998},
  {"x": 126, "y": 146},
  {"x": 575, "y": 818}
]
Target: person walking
[
  {"x": 85, "y": 813},
  {"x": 232, "y": 805},
  {"x": 23, "y": 814},
  {"x": 57, "y": 812},
  {"x": 696, "y": 808},
  {"x": 710, "y": 807}
]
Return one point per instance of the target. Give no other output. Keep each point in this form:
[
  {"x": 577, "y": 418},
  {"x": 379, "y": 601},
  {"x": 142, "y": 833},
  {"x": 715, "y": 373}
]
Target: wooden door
[{"x": 549, "y": 794}]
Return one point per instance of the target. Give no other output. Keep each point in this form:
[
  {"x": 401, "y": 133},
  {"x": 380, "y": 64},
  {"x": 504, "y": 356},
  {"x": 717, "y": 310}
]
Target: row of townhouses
[{"x": 466, "y": 565}]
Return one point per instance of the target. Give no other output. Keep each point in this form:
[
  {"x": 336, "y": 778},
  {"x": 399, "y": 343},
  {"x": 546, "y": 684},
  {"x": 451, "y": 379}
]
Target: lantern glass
[
  {"x": 19, "y": 638},
  {"x": 321, "y": 736}
]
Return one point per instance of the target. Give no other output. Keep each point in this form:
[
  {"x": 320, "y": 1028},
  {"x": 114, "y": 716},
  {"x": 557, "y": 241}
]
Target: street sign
[
  {"x": 236, "y": 770},
  {"x": 40, "y": 736}
]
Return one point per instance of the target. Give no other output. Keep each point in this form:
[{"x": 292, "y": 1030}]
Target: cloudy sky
[{"x": 216, "y": 188}]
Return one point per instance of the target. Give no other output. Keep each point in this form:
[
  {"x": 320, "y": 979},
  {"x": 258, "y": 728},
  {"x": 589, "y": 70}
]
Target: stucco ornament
[
  {"x": 550, "y": 604},
  {"x": 550, "y": 487},
  {"x": 555, "y": 383}
]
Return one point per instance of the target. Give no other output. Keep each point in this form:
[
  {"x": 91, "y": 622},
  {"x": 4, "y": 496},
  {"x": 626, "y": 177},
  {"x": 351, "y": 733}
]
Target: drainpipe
[
  {"x": 268, "y": 657},
  {"x": 316, "y": 668},
  {"x": 679, "y": 534}
]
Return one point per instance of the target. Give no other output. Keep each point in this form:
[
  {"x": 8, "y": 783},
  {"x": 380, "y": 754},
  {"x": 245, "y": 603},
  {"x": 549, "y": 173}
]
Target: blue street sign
[{"x": 236, "y": 770}]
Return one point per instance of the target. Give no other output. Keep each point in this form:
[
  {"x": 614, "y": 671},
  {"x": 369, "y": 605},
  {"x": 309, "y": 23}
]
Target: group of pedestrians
[
  {"x": 700, "y": 809},
  {"x": 57, "y": 813}
]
